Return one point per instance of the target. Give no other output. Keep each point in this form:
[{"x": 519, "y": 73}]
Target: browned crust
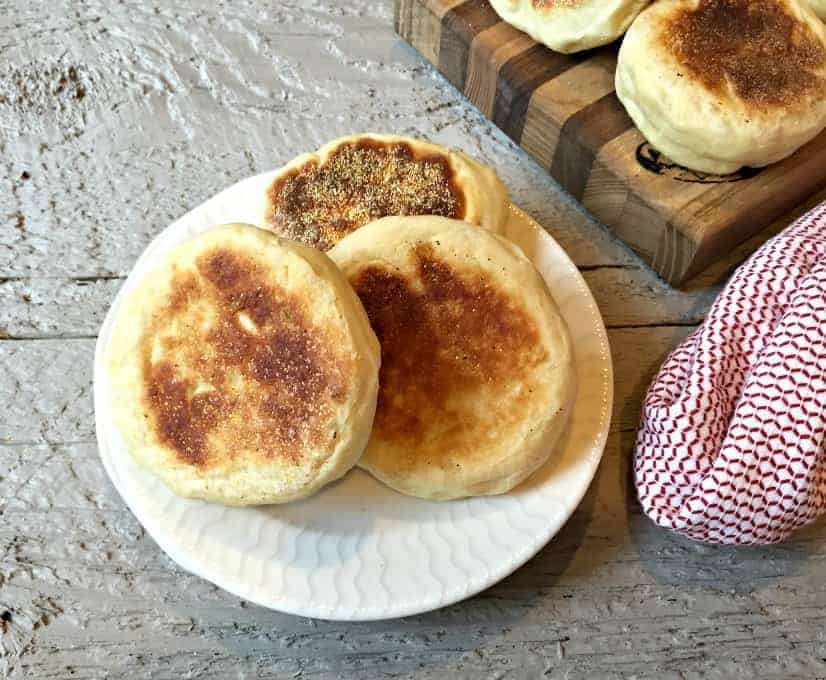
[
  {"x": 549, "y": 5},
  {"x": 766, "y": 55},
  {"x": 360, "y": 182},
  {"x": 445, "y": 336},
  {"x": 290, "y": 377}
]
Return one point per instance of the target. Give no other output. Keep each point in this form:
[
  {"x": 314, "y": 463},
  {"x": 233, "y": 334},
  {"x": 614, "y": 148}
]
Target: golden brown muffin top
[
  {"x": 766, "y": 55},
  {"x": 241, "y": 367},
  {"x": 446, "y": 334}
]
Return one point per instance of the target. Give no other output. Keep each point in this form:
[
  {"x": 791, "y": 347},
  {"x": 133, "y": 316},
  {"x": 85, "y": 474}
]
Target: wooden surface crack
[{"x": 165, "y": 104}]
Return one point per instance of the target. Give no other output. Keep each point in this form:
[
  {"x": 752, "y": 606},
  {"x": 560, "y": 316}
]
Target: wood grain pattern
[
  {"x": 563, "y": 111},
  {"x": 86, "y": 184}
]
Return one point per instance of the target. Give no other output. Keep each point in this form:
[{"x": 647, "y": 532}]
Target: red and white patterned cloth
[{"x": 731, "y": 444}]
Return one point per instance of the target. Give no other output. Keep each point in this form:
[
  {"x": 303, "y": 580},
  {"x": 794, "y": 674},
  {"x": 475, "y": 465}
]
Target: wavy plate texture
[{"x": 358, "y": 550}]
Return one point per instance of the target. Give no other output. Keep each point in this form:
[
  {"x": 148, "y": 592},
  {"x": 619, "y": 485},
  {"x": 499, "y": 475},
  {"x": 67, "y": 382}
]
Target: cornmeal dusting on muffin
[
  {"x": 358, "y": 183},
  {"x": 550, "y": 4},
  {"x": 249, "y": 368},
  {"x": 766, "y": 55}
]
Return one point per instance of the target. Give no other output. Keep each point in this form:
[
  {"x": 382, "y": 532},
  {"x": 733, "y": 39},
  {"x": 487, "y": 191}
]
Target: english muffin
[
  {"x": 570, "y": 25},
  {"x": 720, "y": 84},
  {"x": 243, "y": 369},
  {"x": 477, "y": 376},
  {"x": 321, "y": 197},
  {"x": 819, "y": 6}
]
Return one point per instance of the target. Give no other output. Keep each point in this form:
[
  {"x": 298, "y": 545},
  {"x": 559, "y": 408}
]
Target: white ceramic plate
[{"x": 357, "y": 550}]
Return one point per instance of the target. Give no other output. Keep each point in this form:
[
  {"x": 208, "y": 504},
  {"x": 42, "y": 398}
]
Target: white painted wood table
[{"x": 116, "y": 118}]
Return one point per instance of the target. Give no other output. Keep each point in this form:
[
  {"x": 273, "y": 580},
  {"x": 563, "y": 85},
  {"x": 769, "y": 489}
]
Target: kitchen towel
[{"x": 730, "y": 446}]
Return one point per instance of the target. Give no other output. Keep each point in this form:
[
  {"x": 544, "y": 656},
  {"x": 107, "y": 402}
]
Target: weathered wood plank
[
  {"x": 49, "y": 308},
  {"x": 48, "y": 383},
  {"x": 47, "y": 391},
  {"x": 628, "y": 294},
  {"x": 180, "y": 99}
]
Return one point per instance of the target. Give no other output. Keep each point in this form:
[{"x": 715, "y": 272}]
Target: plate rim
[{"x": 493, "y": 575}]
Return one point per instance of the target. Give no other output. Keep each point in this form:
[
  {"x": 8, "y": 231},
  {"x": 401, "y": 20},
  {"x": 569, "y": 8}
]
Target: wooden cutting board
[{"x": 562, "y": 110}]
